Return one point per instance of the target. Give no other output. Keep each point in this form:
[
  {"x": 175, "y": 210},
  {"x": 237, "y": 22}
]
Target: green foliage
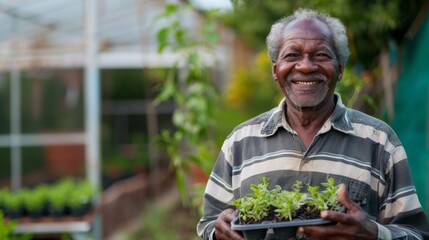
[
  {"x": 250, "y": 91},
  {"x": 355, "y": 92},
  {"x": 350, "y": 87},
  {"x": 326, "y": 199},
  {"x": 13, "y": 201},
  {"x": 70, "y": 192},
  {"x": 23, "y": 198},
  {"x": 288, "y": 202},
  {"x": 257, "y": 205},
  {"x": 253, "y": 90},
  {"x": 35, "y": 198},
  {"x": 189, "y": 85},
  {"x": 67, "y": 192},
  {"x": 59, "y": 194},
  {"x": 82, "y": 194},
  {"x": 6, "y": 230}
]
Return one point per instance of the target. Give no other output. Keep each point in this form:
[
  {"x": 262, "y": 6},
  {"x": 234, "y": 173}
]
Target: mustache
[{"x": 307, "y": 77}]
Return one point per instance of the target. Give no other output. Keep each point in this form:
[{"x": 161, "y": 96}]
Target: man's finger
[
  {"x": 337, "y": 217},
  {"x": 228, "y": 214},
  {"x": 223, "y": 229},
  {"x": 345, "y": 201}
]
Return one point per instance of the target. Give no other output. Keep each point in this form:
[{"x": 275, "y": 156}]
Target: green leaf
[
  {"x": 171, "y": 9},
  {"x": 181, "y": 186},
  {"x": 168, "y": 91},
  {"x": 162, "y": 37}
]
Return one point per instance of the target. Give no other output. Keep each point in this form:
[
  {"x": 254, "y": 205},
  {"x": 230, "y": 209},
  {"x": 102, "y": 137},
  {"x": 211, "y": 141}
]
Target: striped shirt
[{"x": 355, "y": 149}]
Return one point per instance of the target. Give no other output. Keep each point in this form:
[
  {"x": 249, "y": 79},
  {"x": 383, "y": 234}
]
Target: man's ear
[
  {"x": 274, "y": 70},
  {"x": 340, "y": 71}
]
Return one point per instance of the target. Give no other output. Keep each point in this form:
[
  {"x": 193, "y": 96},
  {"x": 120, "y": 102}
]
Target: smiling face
[{"x": 307, "y": 68}]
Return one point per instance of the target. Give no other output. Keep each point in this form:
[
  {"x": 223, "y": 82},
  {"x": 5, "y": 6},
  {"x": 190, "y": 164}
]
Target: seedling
[
  {"x": 286, "y": 203},
  {"x": 262, "y": 204},
  {"x": 326, "y": 199},
  {"x": 255, "y": 206}
]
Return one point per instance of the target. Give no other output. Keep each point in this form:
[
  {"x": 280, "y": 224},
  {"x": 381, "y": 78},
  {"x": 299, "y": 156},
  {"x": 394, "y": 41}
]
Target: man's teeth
[{"x": 306, "y": 82}]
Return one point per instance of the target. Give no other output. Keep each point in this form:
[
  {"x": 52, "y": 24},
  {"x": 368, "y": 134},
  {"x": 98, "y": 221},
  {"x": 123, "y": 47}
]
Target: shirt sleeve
[
  {"x": 400, "y": 212},
  {"x": 218, "y": 195},
  {"x": 383, "y": 233}
]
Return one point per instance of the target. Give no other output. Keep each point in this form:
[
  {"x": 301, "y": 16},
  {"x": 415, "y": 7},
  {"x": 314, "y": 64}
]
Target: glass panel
[
  {"x": 5, "y": 166},
  {"x": 126, "y": 124},
  {"x": 33, "y": 166},
  {"x": 47, "y": 164},
  {"x": 52, "y": 100},
  {"x": 4, "y": 103}
]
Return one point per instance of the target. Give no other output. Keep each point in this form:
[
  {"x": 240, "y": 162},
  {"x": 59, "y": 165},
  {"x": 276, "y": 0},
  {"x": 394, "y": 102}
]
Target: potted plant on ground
[{"x": 282, "y": 211}]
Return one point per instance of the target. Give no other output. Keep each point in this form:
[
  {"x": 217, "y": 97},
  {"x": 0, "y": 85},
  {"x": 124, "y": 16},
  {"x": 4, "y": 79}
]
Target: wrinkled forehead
[{"x": 312, "y": 29}]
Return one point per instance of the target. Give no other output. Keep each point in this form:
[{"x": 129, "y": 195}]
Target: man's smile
[{"x": 305, "y": 82}]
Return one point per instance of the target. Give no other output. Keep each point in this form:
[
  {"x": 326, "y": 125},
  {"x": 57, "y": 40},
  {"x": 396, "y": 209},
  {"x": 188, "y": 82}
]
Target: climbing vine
[{"x": 190, "y": 86}]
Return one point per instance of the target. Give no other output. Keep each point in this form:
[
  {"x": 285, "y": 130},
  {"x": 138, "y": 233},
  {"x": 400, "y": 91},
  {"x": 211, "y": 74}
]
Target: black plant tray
[{"x": 280, "y": 230}]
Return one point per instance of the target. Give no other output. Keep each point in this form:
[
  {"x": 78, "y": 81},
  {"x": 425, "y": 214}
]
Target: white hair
[{"x": 337, "y": 28}]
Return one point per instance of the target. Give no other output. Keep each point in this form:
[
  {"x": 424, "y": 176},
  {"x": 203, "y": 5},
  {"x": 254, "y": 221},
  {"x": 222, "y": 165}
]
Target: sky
[{"x": 210, "y": 4}]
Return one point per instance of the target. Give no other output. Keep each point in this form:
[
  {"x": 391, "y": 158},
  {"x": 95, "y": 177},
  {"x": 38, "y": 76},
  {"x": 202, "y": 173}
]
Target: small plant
[
  {"x": 12, "y": 201},
  {"x": 35, "y": 199},
  {"x": 57, "y": 203},
  {"x": 287, "y": 203},
  {"x": 80, "y": 199},
  {"x": 326, "y": 199},
  {"x": 58, "y": 196},
  {"x": 262, "y": 204},
  {"x": 82, "y": 194},
  {"x": 13, "y": 204},
  {"x": 256, "y": 205}
]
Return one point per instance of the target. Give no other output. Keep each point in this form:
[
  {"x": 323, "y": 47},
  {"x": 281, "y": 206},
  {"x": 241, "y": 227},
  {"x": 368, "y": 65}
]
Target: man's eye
[
  {"x": 290, "y": 56},
  {"x": 323, "y": 55}
]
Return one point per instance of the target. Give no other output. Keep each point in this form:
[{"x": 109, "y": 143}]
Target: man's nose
[{"x": 306, "y": 65}]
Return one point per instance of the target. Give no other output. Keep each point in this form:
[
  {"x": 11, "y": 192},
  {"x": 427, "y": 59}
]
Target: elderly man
[{"x": 311, "y": 136}]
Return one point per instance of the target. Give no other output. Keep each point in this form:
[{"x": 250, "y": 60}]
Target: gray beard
[{"x": 306, "y": 104}]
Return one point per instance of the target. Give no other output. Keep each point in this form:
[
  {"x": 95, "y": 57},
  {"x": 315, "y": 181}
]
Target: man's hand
[
  {"x": 354, "y": 224},
  {"x": 222, "y": 226}
]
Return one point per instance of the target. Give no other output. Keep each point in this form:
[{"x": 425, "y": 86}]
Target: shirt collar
[{"x": 339, "y": 120}]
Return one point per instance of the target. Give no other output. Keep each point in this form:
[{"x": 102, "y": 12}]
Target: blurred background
[{"x": 112, "y": 112}]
